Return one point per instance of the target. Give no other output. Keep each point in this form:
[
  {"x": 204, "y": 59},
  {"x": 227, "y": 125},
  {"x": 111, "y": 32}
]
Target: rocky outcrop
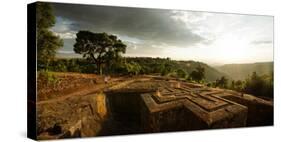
[{"x": 74, "y": 117}]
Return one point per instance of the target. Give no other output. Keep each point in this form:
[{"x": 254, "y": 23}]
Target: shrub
[
  {"x": 181, "y": 73},
  {"x": 48, "y": 77}
]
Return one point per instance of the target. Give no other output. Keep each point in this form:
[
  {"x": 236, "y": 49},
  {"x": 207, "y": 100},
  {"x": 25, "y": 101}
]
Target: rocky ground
[
  {"x": 82, "y": 105},
  {"x": 53, "y": 85},
  {"x": 74, "y": 105}
]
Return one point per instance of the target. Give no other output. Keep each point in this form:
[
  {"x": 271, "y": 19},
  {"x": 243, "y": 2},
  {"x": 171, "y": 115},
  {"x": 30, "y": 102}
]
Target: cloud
[
  {"x": 65, "y": 52},
  {"x": 153, "y": 25},
  {"x": 63, "y": 28},
  {"x": 66, "y": 35},
  {"x": 174, "y": 33}
]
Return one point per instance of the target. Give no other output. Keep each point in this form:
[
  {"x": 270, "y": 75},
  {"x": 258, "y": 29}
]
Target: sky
[{"x": 213, "y": 38}]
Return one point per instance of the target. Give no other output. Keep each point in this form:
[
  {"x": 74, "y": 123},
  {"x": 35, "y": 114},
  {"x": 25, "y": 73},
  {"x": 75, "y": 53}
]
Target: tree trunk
[
  {"x": 99, "y": 67},
  {"x": 100, "y": 70}
]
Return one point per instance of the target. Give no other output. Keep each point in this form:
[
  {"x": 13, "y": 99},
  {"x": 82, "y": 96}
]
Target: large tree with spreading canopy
[{"x": 98, "y": 48}]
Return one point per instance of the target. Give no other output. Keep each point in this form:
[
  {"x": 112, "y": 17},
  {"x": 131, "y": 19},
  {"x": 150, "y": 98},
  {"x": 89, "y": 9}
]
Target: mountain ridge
[{"x": 242, "y": 71}]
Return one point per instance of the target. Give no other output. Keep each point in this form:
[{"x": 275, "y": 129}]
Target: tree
[
  {"x": 232, "y": 85},
  {"x": 198, "y": 74},
  {"x": 47, "y": 42},
  {"x": 133, "y": 68},
  {"x": 222, "y": 82},
  {"x": 259, "y": 85},
  {"x": 181, "y": 73},
  {"x": 98, "y": 48},
  {"x": 165, "y": 68},
  {"x": 237, "y": 85},
  {"x": 254, "y": 84}
]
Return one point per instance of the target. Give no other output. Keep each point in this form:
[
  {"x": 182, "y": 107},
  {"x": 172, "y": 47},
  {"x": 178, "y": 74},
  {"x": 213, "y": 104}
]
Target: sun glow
[
  {"x": 226, "y": 49},
  {"x": 232, "y": 48}
]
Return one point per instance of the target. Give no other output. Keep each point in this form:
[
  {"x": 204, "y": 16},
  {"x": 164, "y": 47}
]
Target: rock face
[{"x": 149, "y": 105}]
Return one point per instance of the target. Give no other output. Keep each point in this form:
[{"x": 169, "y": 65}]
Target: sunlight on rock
[{"x": 101, "y": 105}]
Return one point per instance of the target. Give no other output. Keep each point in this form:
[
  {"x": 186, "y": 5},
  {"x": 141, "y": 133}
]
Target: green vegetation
[
  {"x": 168, "y": 67},
  {"x": 48, "y": 77},
  {"x": 197, "y": 75},
  {"x": 261, "y": 86},
  {"x": 222, "y": 82},
  {"x": 98, "y": 48},
  {"x": 181, "y": 73},
  {"x": 256, "y": 78},
  {"x": 47, "y": 42},
  {"x": 68, "y": 65},
  {"x": 133, "y": 68},
  {"x": 138, "y": 65}
]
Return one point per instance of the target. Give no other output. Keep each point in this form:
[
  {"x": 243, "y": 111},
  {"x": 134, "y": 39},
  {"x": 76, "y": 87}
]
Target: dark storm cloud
[{"x": 147, "y": 25}]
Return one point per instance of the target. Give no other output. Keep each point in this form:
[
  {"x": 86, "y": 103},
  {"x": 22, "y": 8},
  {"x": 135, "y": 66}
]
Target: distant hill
[
  {"x": 211, "y": 73},
  {"x": 241, "y": 71}
]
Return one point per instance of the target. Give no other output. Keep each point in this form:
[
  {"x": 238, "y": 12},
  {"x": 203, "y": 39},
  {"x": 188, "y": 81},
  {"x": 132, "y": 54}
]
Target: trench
[{"x": 124, "y": 114}]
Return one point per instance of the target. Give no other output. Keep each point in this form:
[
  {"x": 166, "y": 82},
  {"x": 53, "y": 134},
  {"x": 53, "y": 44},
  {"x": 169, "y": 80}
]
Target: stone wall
[{"x": 260, "y": 111}]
